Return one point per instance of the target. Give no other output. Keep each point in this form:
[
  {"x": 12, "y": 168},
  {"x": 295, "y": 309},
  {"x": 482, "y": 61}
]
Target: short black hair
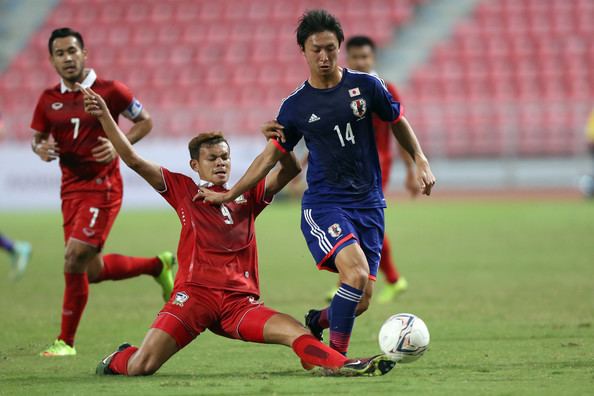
[
  {"x": 205, "y": 139},
  {"x": 316, "y": 21},
  {"x": 360, "y": 41},
  {"x": 64, "y": 32}
]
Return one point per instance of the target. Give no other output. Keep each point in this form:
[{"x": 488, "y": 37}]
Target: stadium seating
[
  {"x": 196, "y": 65},
  {"x": 515, "y": 78}
]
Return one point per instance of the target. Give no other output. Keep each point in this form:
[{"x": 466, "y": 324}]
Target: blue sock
[
  {"x": 342, "y": 316},
  {"x": 6, "y": 244}
]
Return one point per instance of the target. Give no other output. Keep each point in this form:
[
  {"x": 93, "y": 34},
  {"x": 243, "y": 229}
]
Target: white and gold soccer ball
[{"x": 404, "y": 337}]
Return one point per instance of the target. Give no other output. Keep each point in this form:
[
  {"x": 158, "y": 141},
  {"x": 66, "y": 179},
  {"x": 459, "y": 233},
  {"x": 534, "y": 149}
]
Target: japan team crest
[
  {"x": 334, "y": 230},
  {"x": 180, "y": 298},
  {"x": 359, "y": 107}
]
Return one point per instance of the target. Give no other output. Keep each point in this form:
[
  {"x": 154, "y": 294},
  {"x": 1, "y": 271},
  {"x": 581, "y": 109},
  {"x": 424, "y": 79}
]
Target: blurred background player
[
  {"x": 209, "y": 293},
  {"x": 361, "y": 57},
  {"x": 91, "y": 188},
  {"x": 343, "y": 207},
  {"x": 19, "y": 251},
  {"x": 20, "y": 254}
]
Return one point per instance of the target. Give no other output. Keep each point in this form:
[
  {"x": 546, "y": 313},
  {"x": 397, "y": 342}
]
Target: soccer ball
[{"x": 404, "y": 337}]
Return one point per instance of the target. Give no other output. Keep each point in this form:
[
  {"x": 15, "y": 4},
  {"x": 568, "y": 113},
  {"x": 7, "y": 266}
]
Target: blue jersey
[{"x": 336, "y": 123}]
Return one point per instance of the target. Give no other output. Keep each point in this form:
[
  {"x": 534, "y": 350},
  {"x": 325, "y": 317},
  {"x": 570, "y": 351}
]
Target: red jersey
[
  {"x": 217, "y": 245},
  {"x": 60, "y": 113},
  {"x": 383, "y": 137}
]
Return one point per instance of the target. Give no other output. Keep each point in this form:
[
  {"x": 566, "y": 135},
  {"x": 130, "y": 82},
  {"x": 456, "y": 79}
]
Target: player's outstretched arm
[
  {"x": 96, "y": 106},
  {"x": 261, "y": 166},
  {"x": 289, "y": 167},
  {"x": 406, "y": 137}
]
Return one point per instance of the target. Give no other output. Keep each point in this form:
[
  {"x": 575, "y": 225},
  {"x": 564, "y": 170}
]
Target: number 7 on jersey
[{"x": 76, "y": 122}]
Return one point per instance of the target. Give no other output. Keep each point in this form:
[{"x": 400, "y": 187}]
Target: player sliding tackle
[
  {"x": 343, "y": 208},
  {"x": 216, "y": 287}
]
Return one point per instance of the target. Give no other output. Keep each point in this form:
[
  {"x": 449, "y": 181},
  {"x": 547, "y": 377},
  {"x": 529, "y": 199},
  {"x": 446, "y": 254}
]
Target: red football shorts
[
  {"x": 193, "y": 309},
  {"x": 89, "y": 219}
]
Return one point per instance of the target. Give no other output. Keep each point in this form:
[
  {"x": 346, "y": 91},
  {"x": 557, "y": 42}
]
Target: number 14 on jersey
[{"x": 349, "y": 136}]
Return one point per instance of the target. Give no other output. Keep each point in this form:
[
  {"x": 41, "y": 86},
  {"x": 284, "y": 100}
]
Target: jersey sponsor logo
[
  {"x": 359, "y": 107},
  {"x": 334, "y": 230},
  {"x": 240, "y": 200},
  {"x": 57, "y": 105},
  {"x": 180, "y": 298},
  {"x": 354, "y": 92},
  {"x": 313, "y": 118}
]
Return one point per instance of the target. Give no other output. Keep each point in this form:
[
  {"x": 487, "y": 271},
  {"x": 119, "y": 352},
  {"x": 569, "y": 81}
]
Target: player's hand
[
  {"x": 94, "y": 103},
  {"x": 47, "y": 150},
  {"x": 212, "y": 197},
  {"x": 273, "y": 130},
  {"x": 425, "y": 177},
  {"x": 104, "y": 152},
  {"x": 411, "y": 183}
]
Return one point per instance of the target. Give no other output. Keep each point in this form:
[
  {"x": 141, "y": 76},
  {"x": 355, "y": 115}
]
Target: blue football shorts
[{"x": 328, "y": 230}]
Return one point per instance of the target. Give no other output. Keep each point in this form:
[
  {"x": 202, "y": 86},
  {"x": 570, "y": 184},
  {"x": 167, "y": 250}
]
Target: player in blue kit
[{"x": 342, "y": 210}]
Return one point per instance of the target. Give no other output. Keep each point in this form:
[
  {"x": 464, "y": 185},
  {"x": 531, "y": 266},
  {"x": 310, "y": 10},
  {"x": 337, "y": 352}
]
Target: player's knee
[
  {"x": 357, "y": 277},
  {"x": 145, "y": 365},
  {"x": 74, "y": 261}
]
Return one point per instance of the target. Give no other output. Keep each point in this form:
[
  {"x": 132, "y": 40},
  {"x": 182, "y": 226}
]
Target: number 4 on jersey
[{"x": 349, "y": 135}]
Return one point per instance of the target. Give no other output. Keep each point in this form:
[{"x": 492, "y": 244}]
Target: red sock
[
  {"x": 116, "y": 266},
  {"x": 323, "y": 320},
  {"x": 387, "y": 266},
  {"x": 119, "y": 362},
  {"x": 76, "y": 294},
  {"x": 313, "y": 352}
]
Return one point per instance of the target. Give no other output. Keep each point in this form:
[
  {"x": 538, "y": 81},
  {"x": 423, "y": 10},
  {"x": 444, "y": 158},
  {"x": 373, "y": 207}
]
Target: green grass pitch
[{"x": 506, "y": 289}]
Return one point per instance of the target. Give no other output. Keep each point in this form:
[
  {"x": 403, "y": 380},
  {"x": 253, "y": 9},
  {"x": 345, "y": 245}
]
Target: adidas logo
[{"x": 313, "y": 118}]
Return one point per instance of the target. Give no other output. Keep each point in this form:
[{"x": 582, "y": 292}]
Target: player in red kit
[
  {"x": 217, "y": 285},
  {"x": 91, "y": 190}
]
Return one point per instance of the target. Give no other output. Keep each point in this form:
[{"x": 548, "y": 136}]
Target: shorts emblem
[{"x": 180, "y": 298}]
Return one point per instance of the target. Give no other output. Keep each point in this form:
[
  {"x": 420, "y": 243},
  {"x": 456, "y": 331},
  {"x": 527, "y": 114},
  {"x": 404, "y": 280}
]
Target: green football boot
[
  {"x": 165, "y": 278},
  {"x": 392, "y": 291},
  {"x": 59, "y": 348}
]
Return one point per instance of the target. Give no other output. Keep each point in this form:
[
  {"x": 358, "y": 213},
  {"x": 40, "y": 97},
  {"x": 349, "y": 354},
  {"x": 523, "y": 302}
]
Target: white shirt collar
[
  {"x": 207, "y": 184},
  {"x": 87, "y": 82}
]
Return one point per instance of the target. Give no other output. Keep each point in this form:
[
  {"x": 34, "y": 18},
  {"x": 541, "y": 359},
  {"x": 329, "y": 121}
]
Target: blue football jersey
[{"x": 336, "y": 123}]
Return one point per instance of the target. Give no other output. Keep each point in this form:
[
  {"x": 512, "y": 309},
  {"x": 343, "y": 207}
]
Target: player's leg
[
  {"x": 189, "y": 311},
  {"x": 332, "y": 240},
  {"x": 395, "y": 284},
  {"x": 76, "y": 293},
  {"x": 118, "y": 267},
  {"x": 262, "y": 324},
  {"x": 156, "y": 348},
  {"x": 84, "y": 226},
  {"x": 6, "y": 244},
  {"x": 353, "y": 274},
  {"x": 285, "y": 330},
  {"x": 20, "y": 254}
]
